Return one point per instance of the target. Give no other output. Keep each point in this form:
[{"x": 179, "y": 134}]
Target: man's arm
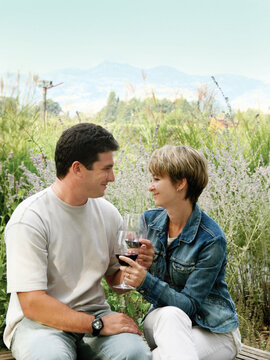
[
  {"x": 115, "y": 279},
  {"x": 43, "y": 308}
]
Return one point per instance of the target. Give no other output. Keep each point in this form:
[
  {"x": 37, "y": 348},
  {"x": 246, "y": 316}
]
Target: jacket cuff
[{"x": 147, "y": 286}]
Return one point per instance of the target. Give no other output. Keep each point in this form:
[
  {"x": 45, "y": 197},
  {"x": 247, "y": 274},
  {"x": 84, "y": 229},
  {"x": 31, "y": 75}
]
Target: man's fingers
[{"x": 118, "y": 323}]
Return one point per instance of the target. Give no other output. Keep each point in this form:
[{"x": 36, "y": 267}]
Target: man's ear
[{"x": 77, "y": 168}]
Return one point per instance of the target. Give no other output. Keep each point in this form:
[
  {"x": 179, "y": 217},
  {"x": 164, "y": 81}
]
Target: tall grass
[{"x": 237, "y": 196}]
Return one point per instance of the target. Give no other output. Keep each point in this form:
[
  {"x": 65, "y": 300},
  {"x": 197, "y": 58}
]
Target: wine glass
[
  {"x": 136, "y": 229},
  {"x": 122, "y": 249}
]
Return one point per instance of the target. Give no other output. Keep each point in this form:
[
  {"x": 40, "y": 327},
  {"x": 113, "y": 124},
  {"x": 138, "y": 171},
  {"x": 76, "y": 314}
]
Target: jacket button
[{"x": 199, "y": 317}]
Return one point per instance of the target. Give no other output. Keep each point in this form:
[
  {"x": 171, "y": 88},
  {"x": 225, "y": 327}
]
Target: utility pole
[{"x": 45, "y": 85}]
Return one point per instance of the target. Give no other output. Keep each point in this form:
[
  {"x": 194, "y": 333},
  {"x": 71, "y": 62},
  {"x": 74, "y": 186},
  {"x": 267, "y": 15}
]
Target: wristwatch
[{"x": 97, "y": 326}]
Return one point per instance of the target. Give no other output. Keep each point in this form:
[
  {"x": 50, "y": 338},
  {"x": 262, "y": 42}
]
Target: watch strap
[{"x": 97, "y": 326}]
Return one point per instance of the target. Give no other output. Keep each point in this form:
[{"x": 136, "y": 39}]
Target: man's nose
[{"x": 111, "y": 177}]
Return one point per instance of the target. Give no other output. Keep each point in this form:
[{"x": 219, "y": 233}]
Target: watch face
[{"x": 97, "y": 324}]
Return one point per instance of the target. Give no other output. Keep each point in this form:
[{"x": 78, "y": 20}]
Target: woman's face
[{"x": 164, "y": 191}]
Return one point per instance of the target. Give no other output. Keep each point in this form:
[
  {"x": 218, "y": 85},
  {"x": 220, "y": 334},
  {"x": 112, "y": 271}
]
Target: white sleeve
[
  {"x": 115, "y": 225},
  {"x": 27, "y": 254}
]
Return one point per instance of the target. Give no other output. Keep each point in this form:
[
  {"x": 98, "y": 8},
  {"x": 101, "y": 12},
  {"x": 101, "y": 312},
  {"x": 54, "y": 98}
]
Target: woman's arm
[{"x": 198, "y": 285}]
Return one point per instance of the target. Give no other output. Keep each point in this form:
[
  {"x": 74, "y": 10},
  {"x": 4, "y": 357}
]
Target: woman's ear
[{"x": 181, "y": 185}]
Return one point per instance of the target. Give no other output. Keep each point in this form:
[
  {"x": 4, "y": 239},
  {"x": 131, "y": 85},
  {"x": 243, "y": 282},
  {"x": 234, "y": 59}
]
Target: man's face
[{"x": 95, "y": 181}]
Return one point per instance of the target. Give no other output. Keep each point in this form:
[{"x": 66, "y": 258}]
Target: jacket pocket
[{"x": 181, "y": 272}]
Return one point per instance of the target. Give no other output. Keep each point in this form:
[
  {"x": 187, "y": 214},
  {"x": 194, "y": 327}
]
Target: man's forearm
[{"x": 42, "y": 308}]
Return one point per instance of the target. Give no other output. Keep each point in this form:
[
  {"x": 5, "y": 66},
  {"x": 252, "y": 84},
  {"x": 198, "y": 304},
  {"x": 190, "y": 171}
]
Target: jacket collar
[{"x": 190, "y": 230}]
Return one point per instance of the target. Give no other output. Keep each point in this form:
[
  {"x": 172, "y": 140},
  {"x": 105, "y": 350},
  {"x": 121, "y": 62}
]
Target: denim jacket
[{"x": 195, "y": 262}]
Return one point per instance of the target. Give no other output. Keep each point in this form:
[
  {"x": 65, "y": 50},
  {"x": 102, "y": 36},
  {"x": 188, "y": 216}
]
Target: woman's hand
[
  {"x": 146, "y": 253},
  {"x": 134, "y": 273}
]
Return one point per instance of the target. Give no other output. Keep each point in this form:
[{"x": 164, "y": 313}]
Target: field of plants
[{"x": 236, "y": 144}]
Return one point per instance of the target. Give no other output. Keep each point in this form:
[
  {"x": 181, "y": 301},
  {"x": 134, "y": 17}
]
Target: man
[{"x": 59, "y": 246}]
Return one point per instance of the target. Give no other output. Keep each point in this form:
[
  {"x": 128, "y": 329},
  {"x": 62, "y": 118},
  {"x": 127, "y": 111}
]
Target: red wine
[
  {"x": 133, "y": 244},
  {"x": 131, "y": 256}
]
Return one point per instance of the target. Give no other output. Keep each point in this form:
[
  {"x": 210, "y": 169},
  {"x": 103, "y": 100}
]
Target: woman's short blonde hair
[{"x": 179, "y": 162}]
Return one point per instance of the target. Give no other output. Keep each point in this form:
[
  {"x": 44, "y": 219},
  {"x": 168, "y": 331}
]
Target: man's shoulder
[
  {"x": 105, "y": 205},
  {"x": 29, "y": 205},
  {"x": 102, "y": 201},
  {"x": 34, "y": 199}
]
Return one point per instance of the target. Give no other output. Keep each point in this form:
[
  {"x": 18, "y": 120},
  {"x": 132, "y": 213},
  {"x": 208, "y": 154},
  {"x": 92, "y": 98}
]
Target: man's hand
[
  {"x": 146, "y": 253},
  {"x": 119, "y": 323}
]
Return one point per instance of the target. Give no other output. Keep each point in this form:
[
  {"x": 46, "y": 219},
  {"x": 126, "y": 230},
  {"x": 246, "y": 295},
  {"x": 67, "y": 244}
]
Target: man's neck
[{"x": 65, "y": 191}]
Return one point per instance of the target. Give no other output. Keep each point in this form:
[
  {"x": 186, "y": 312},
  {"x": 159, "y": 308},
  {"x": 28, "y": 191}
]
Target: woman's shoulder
[
  {"x": 152, "y": 214},
  {"x": 211, "y": 226}
]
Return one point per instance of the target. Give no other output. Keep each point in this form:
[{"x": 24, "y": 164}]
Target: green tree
[
  {"x": 52, "y": 107},
  {"x": 110, "y": 109}
]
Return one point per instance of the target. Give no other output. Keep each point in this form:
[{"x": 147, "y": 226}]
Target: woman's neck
[{"x": 178, "y": 217}]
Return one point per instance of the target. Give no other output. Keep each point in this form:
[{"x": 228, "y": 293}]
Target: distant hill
[{"x": 87, "y": 90}]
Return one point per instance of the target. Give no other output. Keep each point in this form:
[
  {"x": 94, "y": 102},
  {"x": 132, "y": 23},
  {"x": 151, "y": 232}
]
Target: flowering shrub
[
  {"x": 239, "y": 200},
  {"x": 43, "y": 176},
  {"x": 236, "y": 197},
  {"x": 129, "y": 191},
  {"x": 16, "y": 183},
  {"x": 12, "y": 191}
]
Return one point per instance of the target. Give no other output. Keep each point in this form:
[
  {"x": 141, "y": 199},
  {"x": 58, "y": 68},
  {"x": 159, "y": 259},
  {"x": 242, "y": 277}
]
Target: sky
[{"x": 202, "y": 37}]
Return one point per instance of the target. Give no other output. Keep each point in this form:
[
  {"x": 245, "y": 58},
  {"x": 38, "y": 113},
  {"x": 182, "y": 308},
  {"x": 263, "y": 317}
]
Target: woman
[{"x": 192, "y": 314}]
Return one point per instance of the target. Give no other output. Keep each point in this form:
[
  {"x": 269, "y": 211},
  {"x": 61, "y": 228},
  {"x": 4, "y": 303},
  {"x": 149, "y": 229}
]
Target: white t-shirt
[
  {"x": 63, "y": 249},
  {"x": 170, "y": 240}
]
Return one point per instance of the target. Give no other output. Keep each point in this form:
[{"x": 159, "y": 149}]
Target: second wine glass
[{"x": 123, "y": 249}]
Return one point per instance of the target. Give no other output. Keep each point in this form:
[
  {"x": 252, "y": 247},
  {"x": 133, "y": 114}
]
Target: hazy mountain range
[{"x": 87, "y": 90}]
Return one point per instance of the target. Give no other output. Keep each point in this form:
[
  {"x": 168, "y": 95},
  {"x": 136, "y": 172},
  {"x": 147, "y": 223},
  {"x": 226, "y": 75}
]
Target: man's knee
[
  {"x": 138, "y": 350},
  {"x": 127, "y": 346},
  {"x": 42, "y": 343},
  {"x": 53, "y": 352}
]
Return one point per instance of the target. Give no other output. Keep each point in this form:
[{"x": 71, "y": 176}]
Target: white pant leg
[
  {"x": 169, "y": 332},
  {"x": 213, "y": 346}
]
